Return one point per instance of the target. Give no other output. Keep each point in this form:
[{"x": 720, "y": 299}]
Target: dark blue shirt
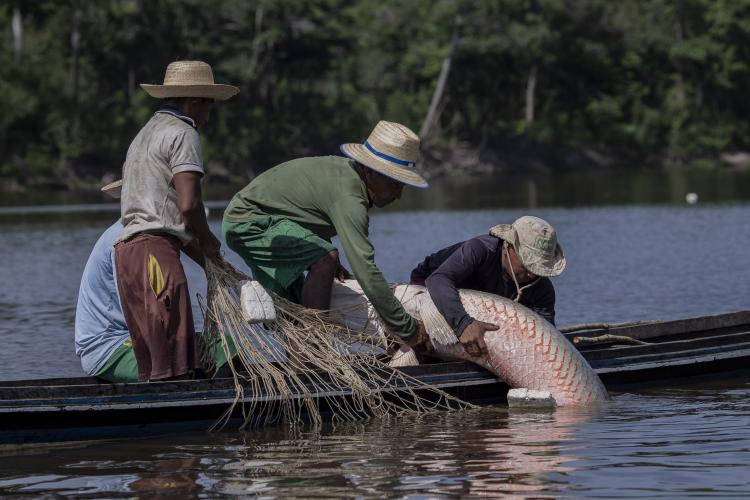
[{"x": 475, "y": 264}]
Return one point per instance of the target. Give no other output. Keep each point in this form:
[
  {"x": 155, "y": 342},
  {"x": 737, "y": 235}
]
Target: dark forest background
[{"x": 490, "y": 85}]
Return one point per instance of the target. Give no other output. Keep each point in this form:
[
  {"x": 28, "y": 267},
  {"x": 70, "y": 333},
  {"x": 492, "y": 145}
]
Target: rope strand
[{"x": 304, "y": 361}]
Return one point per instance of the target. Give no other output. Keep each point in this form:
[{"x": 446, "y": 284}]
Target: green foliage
[{"x": 650, "y": 78}]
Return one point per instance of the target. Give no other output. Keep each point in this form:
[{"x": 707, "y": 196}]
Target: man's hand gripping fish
[{"x": 526, "y": 351}]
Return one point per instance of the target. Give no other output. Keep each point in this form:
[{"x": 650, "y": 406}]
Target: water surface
[
  {"x": 624, "y": 263},
  {"x": 683, "y": 442},
  {"x": 635, "y": 251}
]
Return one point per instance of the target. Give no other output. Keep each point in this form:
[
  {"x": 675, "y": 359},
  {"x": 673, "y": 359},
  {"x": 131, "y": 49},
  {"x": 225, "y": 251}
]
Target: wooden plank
[
  {"x": 675, "y": 347},
  {"x": 695, "y": 360},
  {"x": 51, "y": 381},
  {"x": 438, "y": 375},
  {"x": 75, "y": 420},
  {"x": 738, "y": 319},
  {"x": 728, "y": 351}
]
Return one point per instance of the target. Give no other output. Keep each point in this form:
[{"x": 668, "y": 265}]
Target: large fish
[{"x": 526, "y": 351}]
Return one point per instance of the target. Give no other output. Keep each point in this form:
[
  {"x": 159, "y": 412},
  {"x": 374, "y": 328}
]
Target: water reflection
[
  {"x": 670, "y": 442},
  {"x": 169, "y": 477},
  {"x": 485, "y": 452},
  {"x": 513, "y": 190},
  {"x": 481, "y": 452},
  {"x": 581, "y": 188},
  {"x": 526, "y": 459}
]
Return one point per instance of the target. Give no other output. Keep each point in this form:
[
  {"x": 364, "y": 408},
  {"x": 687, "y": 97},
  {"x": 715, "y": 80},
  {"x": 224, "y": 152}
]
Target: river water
[{"x": 635, "y": 251}]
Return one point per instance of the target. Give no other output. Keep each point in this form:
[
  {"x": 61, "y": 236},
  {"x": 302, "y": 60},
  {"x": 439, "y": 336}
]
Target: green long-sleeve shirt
[{"x": 326, "y": 196}]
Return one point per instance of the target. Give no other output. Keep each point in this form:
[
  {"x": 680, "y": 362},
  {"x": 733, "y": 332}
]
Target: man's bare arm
[
  {"x": 193, "y": 250},
  {"x": 190, "y": 205}
]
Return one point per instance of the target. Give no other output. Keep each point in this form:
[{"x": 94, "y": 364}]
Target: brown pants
[{"x": 156, "y": 305}]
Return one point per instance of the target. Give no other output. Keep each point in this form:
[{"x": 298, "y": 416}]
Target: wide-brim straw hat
[
  {"x": 391, "y": 149},
  {"x": 535, "y": 242},
  {"x": 190, "y": 79},
  {"x": 113, "y": 189}
]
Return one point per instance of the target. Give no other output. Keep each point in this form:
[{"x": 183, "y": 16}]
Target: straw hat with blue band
[{"x": 392, "y": 150}]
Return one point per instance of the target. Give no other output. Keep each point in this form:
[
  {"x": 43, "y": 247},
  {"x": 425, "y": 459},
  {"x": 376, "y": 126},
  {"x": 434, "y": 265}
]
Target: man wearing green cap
[{"x": 514, "y": 261}]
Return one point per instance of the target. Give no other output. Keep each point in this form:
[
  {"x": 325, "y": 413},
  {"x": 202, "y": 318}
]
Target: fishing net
[{"x": 306, "y": 363}]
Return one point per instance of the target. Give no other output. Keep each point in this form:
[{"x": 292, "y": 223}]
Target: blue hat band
[{"x": 389, "y": 158}]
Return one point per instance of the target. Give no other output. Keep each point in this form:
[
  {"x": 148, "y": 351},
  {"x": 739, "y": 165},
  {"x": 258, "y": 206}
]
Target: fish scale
[
  {"x": 549, "y": 362},
  {"x": 526, "y": 351}
]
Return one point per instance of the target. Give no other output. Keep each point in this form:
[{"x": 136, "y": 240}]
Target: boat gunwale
[
  {"x": 665, "y": 328},
  {"x": 607, "y": 359}
]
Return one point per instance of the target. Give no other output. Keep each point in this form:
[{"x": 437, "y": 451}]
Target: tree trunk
[
  {"x": 131, "y": 83},
  {"x": 255, "y": 55},
  {"x": 680, "y": 35},
  {"x": 68, "y": 152},
  {"x": 432, "y": 112},
  {"x": 75, "y": 42},
  {"x": 530, "y": 92},
  {"x": 17, "y": 28}
]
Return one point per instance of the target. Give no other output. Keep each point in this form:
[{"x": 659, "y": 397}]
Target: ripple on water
[
  {"x": 679, "y": 442},
  {"x": 668, "y": 443}
]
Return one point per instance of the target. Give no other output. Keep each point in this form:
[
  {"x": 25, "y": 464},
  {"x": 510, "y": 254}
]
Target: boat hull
[{"x": 81, "y": 409}]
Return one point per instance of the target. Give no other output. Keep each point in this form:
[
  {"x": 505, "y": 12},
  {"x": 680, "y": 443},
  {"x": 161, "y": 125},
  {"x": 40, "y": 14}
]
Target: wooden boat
[{"x": 74, "y": 409}]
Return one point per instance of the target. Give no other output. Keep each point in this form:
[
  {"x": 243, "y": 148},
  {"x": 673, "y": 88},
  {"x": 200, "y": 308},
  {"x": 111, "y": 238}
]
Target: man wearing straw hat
[
  {"x": 102, "y": 338},
  {"x": 514, "y": 260},
  {"x": 162, "y": 212},
  {"x": 283, "y": 221}
]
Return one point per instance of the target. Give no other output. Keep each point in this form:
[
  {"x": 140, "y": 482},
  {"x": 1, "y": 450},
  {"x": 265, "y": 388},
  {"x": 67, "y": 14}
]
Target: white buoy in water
[{"x": 691, "y": 198}]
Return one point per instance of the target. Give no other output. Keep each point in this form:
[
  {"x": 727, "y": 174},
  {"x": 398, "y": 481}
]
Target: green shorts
[
  {"x": 277, "y": 250},
  {"x": 122, "y": 366}
]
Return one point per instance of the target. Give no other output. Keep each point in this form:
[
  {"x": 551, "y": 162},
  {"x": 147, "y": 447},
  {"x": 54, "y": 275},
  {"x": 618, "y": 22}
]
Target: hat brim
[
  {"x": 505, "y": 232},
  {"x": 548, "y": 269},
  {"x": 113, "y": 189},
  {"x": 555, "y": 267},
  {"x": 217, "y": 91},
  {"x": 406, "y": 175}
]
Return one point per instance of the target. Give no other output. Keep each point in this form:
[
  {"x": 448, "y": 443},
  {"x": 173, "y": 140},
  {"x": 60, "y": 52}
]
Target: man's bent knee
[
  {"x": 328, "y": 264},
  {"x": 316, "y": 292}
]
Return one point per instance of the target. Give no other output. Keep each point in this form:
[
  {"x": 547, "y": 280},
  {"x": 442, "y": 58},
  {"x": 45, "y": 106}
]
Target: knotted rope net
[{"x": 306, "y": 363}]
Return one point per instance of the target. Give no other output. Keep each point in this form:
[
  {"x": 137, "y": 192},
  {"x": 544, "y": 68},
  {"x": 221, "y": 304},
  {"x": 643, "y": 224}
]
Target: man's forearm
[
  {"x": 193, "y": 251},
  {"x": 195, "y": 220},
  {"x": 388, "y": 307},
  {"x": 445, "y": 296},
  {"x": 190, "y": 204}
]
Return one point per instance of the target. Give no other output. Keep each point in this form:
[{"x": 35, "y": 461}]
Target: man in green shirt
[{"x": 283, "y": 221}]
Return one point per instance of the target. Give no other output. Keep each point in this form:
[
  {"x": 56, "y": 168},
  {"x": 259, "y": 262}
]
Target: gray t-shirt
[{"x": 165, "y": 146}]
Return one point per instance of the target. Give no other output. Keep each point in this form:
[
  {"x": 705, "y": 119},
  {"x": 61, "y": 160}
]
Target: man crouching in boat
[
  {"x": 282, "y": 223},
  {"x": 102, "y": 338},
  {"x": 514, "y": 261}
]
